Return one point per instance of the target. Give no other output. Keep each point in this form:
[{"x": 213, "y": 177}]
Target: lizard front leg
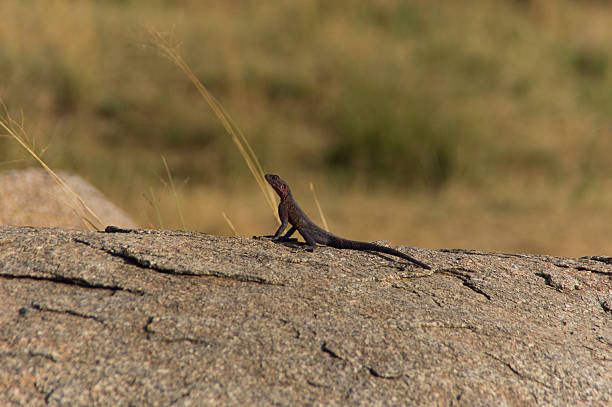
[
  {"x": 283, "y": 215},
  {"x": 287, "y": 236},
  {"x": 277, "y": 236},
  {"x": 280, "y": 229}
]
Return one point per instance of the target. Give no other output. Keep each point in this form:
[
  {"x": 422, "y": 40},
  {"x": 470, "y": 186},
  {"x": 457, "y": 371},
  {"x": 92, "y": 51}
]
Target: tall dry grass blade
[
  {"x": 17, "y": 131},
  {"x": 174, "y": 193},
  {"x": 154, "y": 202},
  {"x": 270, "y": 197},
  {"x": 314, "y": 195},
  {"x": 163, "y": 44},
  {"x": 12, "y": 162},
  {"x": 229, "y": 223}
]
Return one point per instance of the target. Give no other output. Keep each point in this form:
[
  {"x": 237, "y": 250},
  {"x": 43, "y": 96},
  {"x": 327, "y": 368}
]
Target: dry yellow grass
[
  {"x": 434, "y": 126},
  {"x": 15, "y": 130},
  {"x": 455, "y": 218},
  {"x": 166, "y": 44}
]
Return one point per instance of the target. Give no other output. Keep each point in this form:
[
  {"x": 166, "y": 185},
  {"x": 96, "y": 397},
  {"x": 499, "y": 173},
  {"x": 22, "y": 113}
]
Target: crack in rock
[
  {"x": 319, "y": 385},
  {"x": 436, "y": 324},
  {"x": 465, "y": 278},
  {"x": 330, "y": 352},
  {"x": 601, "y": 259},
  {"x": 46, "y": 394},
  {"x": 130, "y": 258},
  {"x": 603, "y": 340},
  {"x": 73, "y": 281},
  {"x": 517, "y": 372},
  {"x": 30, "y": 352},
  {"x": 606, "y": 303},
  {"x": 479, "y": 253},
  {"x": 146, "y": 326},
  {"x": 44, "y": 355},
  {"x": 185, "y": 338},
  {"x": 472, "y": 286},
  {"x": 559, "y": 282},
  {"x": 180, "y": 397},
  {"x": 604, "y": 272},
  {"x": 379, "y": 375},
  {"x": 371, "y": 370},
  {"x": 245, "y": 278},
  {"x": 43, "y": 308}
]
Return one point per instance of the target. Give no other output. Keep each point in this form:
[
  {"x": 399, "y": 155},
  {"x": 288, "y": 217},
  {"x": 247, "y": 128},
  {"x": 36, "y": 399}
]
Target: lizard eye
[{"x": 282, "y": 187}]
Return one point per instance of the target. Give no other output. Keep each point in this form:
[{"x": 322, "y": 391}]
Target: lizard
[{"x": 290, "y": 213}]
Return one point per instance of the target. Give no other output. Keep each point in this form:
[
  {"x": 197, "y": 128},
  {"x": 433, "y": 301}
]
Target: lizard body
[{"x": 290, "y": 213}]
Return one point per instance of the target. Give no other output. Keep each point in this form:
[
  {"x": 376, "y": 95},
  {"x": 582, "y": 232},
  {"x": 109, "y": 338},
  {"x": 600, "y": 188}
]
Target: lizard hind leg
[{"x": 309, "y": 240}]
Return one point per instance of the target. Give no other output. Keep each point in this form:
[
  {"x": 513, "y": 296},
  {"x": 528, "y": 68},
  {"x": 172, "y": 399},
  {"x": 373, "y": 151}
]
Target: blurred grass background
[{"x": 483, "y": 124}]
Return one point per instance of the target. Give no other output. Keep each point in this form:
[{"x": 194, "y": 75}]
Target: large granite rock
[
  {"x": 31, "y": 197},
  {"x": 144, "y": 317}
]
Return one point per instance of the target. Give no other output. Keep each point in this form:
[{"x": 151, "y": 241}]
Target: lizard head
[{"x": 280, "y": 186}]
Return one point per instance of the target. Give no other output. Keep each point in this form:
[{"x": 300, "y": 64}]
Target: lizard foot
[
  {"x": 279, "y": 239},
  {"x": 265, "y": 237},
  {"x": 285, "y": 239}
]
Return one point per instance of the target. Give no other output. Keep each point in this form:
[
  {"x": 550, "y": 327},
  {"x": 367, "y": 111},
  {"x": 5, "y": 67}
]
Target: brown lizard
[{"x": 290, "y": 212}]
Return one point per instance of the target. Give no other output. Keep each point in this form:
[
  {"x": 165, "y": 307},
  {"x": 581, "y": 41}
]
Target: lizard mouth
[{"x": 272, "y": 179}]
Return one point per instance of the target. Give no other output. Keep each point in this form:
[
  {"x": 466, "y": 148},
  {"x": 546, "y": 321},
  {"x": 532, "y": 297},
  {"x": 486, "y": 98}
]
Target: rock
[
  {"x": 35, "y": 199},
  {"x": 145, "y": 317}
]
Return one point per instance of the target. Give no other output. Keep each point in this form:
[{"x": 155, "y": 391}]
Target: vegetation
[{"x": 489, "y": 121}]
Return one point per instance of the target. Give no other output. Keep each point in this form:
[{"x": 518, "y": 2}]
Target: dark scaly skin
[{"x": 290, "y": 213}]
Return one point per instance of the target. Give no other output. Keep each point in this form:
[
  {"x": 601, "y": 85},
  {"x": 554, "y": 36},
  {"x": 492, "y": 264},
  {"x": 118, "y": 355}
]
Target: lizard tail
[{"x": 356, "y": 245}]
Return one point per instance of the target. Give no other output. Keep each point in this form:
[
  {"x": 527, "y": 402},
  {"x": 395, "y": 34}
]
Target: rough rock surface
[
  {"x": 32, "y": 197},
  {"x": 144, "y": 317}
]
